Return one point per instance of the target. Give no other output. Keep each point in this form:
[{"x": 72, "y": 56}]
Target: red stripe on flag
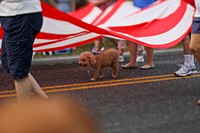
[
  {"x": 51, "y": 12},
  {"x": 154, "y": 27},
  {"x": 68, "y": 46},
  {"x": 59, "y": 40},
  {"x": 43, "y": 35},
  {"x": 160, "y": 46},
  {"x": 114, "y": 9},
  {"x": 82, "y": 12},
  {"x": 1, "y": 32}
]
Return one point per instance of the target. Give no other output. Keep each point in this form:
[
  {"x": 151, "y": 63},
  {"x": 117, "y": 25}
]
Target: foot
[
  {"x": 147, "y": 66},
  {"x": 92, "y": 79},
  {"x": 185, "y": 70},
  {"x": 129, "y": 66},
  {"x": 101, "y": 76},
  {"x": 114, "y": 75},
  {"x": 140, "y": 59}
]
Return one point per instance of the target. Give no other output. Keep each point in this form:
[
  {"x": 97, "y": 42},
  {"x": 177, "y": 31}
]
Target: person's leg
[
  {"x": 133, "y": 55},
  {"x": 195, "y": 45},
  {"x": 186, "y": 42},
  {"x": 121, "y": 51},
  {"x": 25, "y": 86},
  {"x": 4, "y": 57},
  {"x": 195, "y": 38},
  {"x": 121, "y": 45},
  {"x": 20, "y": 56},
  {"x": 140, "y": 57},
  {"x": 149, "y": 59},
  {"x": 188, "y": 67},
  {"x": 36, "y": 89},
  {"x": 188, "y": 56},
  {"x": 140, "y": 50},
  {"x": 149, "y": 56},
  {"x": 13, "y": 59},
  {"x": 23, "y": 89},
  {"x": 96, "y": 49}
]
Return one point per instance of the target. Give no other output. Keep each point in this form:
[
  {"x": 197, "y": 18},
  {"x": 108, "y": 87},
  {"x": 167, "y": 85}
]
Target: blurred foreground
[{"x": 50, "y": 116}]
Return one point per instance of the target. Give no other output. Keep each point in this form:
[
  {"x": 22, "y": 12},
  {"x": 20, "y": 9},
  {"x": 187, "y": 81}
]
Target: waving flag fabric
[
  {"x": 87, "y": 14},
  {"x": 161, "y": 25},
  {"x": 61, "y": 30}
]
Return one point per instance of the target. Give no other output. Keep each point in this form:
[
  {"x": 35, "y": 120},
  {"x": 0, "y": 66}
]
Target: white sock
[
  {"x": 192, "y": 59},
  {"x": 189, "y": 59}
]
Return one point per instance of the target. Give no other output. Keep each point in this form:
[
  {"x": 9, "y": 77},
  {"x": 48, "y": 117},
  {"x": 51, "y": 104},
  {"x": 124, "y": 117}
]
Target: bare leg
[
  {"x": 186, "y": 42},
  {"x": 149, "y": 59},
  {"x": 96, "y": 43},
  {"x": 36, "y": 88},
  {"x": 140, "y": 50},
  {"x": 195, "y": 45},
  {"x": 140, "y": 57},
  {"x": 149, "y": 56},
  {"x": 188, "y": 67},
  {"x": 25, "y": 86},
  {"x": 96, "y": 49},
  {"x": 121, "y": 51},
  {"x": 133, "y": 54},
  {"x": 23, "y": 89},
  {"x": 121, "y": 46}
]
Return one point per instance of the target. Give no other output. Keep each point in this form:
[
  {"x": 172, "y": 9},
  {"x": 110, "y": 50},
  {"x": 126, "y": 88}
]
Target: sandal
[
  {"x": 145, "y": 67},
  {"x": 127, "y": 66}
]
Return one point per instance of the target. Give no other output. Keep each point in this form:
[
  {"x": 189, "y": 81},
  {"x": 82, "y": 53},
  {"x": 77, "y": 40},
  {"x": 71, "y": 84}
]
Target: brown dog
[{"x": 107, "y": 58}]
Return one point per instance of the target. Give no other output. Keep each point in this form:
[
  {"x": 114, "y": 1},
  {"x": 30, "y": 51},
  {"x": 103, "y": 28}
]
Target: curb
[{"x": 69, "y": 59}]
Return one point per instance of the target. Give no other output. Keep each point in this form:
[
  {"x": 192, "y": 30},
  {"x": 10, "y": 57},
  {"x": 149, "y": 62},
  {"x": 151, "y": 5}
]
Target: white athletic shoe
[
  {"x": 140, "y": 59},
  {"x": 121, "y": 59},
  {"x": 186, "y": 70}
]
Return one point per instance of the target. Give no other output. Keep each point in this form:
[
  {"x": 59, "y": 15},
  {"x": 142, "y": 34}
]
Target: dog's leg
[
  {"x": 96, "y": 74},
  {"x": 115, "y": 67},
  {"x": 101, "y": 74}
]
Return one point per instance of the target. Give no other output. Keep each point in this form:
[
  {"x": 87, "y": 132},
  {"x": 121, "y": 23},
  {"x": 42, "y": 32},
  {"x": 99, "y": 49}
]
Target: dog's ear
[{"x": 92, "y": 59}]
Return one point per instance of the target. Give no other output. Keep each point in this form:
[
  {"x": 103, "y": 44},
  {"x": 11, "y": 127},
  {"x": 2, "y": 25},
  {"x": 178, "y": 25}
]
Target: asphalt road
[{"x": 138, "y": 101}]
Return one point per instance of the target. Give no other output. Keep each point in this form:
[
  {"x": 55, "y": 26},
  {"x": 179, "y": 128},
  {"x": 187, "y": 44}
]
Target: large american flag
[{"x": 161, "y": 25}]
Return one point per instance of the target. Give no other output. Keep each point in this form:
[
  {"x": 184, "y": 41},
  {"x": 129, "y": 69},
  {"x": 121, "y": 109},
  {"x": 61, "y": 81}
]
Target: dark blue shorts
[
  {"x": 18, "y": 38},
  {"x": 196, "y": 25}
]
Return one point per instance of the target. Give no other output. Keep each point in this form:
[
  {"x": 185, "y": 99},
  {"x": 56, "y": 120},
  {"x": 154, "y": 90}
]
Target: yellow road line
[
  {"x": 96, "y": 82},
  {"x": 119, "y": 84},
  {"x": 107, "y": 81},
  {"x": 100, "y": 84}
]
